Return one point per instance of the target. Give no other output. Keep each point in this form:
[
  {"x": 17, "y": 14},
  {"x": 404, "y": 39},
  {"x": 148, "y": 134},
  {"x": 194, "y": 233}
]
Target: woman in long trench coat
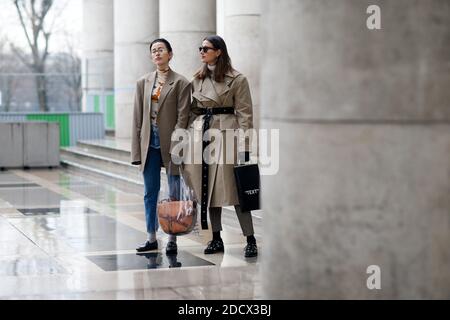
[{"x": 225, "y": 91}]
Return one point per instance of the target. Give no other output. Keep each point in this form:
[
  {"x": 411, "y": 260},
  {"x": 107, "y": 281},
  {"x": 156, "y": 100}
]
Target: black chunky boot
[
  {"x": 214, "y": 246},
  {"x": 147, "y": 246},
  {"x": 251, "y": 250}
]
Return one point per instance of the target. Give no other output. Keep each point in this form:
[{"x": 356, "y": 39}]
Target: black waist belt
[{"x": 208, "y": 113}]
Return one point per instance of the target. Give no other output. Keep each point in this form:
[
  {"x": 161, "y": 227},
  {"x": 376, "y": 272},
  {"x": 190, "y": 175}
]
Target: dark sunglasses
[{"x": 205, "y": 49}]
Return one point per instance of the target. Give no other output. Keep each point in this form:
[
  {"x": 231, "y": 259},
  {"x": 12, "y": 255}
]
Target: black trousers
[{"x": 245, "y": 220}]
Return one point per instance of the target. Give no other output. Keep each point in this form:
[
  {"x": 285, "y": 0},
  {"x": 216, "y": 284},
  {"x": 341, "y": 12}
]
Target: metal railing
[{"x": 64, "y": 92}]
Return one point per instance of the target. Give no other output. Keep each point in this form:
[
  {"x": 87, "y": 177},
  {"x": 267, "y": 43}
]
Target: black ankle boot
[
  {"x": 251, "y": 250},
  {"x": 214, "y": 246},
  {"x": 147, "y": 246}
]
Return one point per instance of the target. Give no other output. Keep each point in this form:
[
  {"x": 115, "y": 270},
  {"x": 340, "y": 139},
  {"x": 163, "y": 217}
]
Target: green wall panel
[
  {"x": 62, "y": 119},
  {"x": 110, "y": 117},
  {"x": 96, "y": 103}
]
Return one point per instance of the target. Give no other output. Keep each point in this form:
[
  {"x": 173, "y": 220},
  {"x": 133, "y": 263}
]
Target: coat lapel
[
  {"x": 166, "y": 89},
  {"x": 208, "y": 92},
  {"x": 218, "y": 91},
  {"x": 221, "y": 88},
  {"x": 226, "y": 85},
  {"x": 149, "y": 81}
]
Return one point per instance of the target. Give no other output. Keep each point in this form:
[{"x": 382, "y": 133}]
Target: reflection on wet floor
[
  {"x": 52, "y": 211},
  {"x": 57, "y": 224},
  {"x": 149, "y": 260},
  {"x": 30, "y": 266},
  {"x": 70, "y": 183},
  {"x": 84, "y": 233},
  {"x": 95, "y": 192},
  {"x": 9, "y": 178},
  {"x": 18, "y": 185},
  {"x": 31, "y": 197},
  {"x": 129, "y": 207}
]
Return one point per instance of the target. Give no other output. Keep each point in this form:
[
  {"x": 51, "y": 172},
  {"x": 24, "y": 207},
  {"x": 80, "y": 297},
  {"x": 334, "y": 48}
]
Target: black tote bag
[{"x": 248, "y": 186}]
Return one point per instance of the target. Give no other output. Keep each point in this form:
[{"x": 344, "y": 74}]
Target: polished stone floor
[{"x": 66, "y": 236}]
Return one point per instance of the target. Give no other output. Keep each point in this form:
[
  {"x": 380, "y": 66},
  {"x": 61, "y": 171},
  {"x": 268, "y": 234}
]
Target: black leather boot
[
  {"x": 251, "y": 250},
  {"x": 147, "y": 246},
  {"x": 214, "y": 246}
]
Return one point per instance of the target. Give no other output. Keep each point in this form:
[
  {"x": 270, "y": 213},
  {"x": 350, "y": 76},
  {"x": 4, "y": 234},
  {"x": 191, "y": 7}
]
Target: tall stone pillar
[
  {"x": 220, "y": 16},
  {"x": 136, "y": 24},
  {"x": 238, "y": 22},
  {"x": 184, "y": 24},
  {"x": 98, "y": 51},
  {"x": 364, "y": 179}
]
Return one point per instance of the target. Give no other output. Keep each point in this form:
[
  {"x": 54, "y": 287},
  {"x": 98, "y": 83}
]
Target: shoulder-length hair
[{"x": 223, "y": 64}]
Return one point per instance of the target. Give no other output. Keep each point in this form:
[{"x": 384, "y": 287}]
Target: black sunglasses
[{"x": 205, "y": 49}]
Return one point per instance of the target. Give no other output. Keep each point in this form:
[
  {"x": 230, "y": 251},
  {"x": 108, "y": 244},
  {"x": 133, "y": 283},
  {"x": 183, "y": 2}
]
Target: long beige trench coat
[
  {"x": 174, "y": 106},
  {"x": 233, "y": 92}
]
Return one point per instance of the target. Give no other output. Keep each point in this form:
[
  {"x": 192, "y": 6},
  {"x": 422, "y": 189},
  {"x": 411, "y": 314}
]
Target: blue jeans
[
  {"x": 154, "y": 138},
  {"x": 152, "y": 185}
]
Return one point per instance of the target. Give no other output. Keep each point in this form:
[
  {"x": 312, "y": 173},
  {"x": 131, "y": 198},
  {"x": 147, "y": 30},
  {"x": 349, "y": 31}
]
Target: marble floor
[{"x": 66, "y": 236}]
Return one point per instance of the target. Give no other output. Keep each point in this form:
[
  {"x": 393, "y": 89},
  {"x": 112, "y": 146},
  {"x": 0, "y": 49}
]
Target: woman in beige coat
[
  {"x": 162, "y": 103},
  {"x": 222, "y": 101}
]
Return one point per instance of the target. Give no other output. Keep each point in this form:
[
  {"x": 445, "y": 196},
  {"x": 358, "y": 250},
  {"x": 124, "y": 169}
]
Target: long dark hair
[{"x": 223, "y": 64}]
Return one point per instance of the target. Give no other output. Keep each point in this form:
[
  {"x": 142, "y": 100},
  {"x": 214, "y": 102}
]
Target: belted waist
[{"x": 216, "y": 110}]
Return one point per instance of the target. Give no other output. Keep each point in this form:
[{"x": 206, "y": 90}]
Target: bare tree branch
[
  {"x": 21, "y": 56},
  {"x": 56, "y": 15},
  {"x": 45, "y": 52},
  {"x": 45, "y": 7},
  {"x": 34, "y": 27},
  {"x": 36, "y": 18},
  {"x": 68, "y": 65},
  {"x": 24, "y": 27},
  {"x": 8, "y": 83},
  {"x": 25, "y": 9}
]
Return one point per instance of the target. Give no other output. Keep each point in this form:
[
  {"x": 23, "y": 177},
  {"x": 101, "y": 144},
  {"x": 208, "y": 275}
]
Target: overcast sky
[{"x": 68, "y": 20}]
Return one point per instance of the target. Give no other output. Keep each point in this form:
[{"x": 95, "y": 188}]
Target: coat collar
[
  {"x": 232, "y": 73},
  {"x": 152, "y": 75},
  {"x": 150, "y": 80},
  {"x": 218, "y": 91}
]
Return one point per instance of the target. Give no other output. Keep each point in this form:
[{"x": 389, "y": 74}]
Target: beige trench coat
[
  {"x": 233, "y": 92},
  {"x": 174, "y": 106}
]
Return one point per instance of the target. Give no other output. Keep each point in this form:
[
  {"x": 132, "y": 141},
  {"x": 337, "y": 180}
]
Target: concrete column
[
  {"x": 238, "y": 22},
  {"x": 136, "y": 24},
  {"x": 220, "y": 16},
  {"x": 364, "y": 175},
  {"x": 98, "y": 48},
  {"x": 184, "y": 24}
]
